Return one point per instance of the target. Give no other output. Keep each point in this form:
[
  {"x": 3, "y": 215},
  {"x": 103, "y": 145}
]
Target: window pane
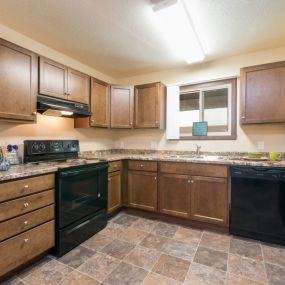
[
  {"x": 216, "y": 109},
  {"x": 189, "y": 101},
  {"x": 189, "y": 110}
]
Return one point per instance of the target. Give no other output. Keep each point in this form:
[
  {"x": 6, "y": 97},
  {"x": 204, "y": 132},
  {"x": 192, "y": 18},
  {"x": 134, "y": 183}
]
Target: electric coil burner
[{"x": 81, "y": 190}]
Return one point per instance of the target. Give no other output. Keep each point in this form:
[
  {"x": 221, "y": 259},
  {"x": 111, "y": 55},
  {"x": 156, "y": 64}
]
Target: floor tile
[
  {"x": 144, "y": 224},
  {"x": 199, "y": 274},
  {"x": 239, "y": 280},
  {"x": 246, "y": 248},
  {"x": 97, "y": 242},
  {"x": 274, "y": 254},
  {"x": 113, "y": 230},
  {"x": 157, "y": 279},
  {"x": 118, "y": 249},
  {"x": 126, "y": 220},
  {"x": 77, "y": 278},
  {"x": 133, "y": 235},
  {"x": 172, "y": 267},
  {"x": 13, "y": 281},
  {"x": 142, "y": 257},
  {"x": 126, "y": 274},
  {"x": 51, "y": 273},
  {"x": 211, "y": 257},
  {"x": 33, "y": 267},
  {"x": 275, "y": 274},
  {"x": 154, "y": 242},
  {"x": 179, "y": 249},
  {"x": 216, "y": 241},
  {"x": 164, "y": 229},
  {"x": 188, "y": 235},
  {"x": 247, "y": 267},
  {"x": 99, "y": 266},
  {"x": 77, "y": 256}
]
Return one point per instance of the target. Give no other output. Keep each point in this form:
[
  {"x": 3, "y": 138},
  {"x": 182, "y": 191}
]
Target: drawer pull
[
  {"x": 141, "y": 165},
  {"x": 26, "y": 222},
  {"x": 99, "y": 195},
  {"x": 26, "y": 240},
  {"x": 26, "y": 205},
  {"x": 26, "y": 187}
]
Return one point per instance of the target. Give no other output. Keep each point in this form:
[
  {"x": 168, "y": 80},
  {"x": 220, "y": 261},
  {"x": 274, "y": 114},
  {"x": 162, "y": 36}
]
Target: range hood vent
[{"x": 61, "y": 108}]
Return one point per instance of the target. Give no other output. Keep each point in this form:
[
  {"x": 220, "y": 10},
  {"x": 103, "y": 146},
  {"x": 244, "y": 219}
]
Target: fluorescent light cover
[
  {"x": 66, "y": 113},
  {"x": 175, "y": 24}
]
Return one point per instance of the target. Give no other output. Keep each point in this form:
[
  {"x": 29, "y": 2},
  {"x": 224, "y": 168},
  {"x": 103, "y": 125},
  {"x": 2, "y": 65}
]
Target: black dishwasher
[{"x": 258, "y": 203}]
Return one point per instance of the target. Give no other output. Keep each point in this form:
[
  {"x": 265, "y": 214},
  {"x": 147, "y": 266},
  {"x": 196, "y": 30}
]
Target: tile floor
[{"x": 132, "y": 250}]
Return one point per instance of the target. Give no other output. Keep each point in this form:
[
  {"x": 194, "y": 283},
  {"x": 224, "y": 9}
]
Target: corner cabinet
[
  {"x": 150, "y": 105},
  {"x": 263, "y": 93},
  {"x": 18, "y": 81},
  {"x": 122, "y": 101},
  {"x": 62, "y": 82}
]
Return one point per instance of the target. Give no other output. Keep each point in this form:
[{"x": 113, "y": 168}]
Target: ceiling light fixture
[{"x": 175, "y": 23}]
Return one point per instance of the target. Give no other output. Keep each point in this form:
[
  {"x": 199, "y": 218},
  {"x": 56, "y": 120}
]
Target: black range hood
[{"x": 61, "y": 108}]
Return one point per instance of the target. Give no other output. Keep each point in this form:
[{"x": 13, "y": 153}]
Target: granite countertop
[{"x": 25, "y": 170}]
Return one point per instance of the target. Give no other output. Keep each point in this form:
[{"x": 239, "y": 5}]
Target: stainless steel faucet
[{"x": 198, "y": 148}]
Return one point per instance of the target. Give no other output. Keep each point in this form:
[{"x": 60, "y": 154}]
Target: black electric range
[{"x": 81, "y": 190}]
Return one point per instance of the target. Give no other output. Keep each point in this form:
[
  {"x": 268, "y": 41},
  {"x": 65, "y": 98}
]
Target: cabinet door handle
[
  {"x": 26, "y": 205},
  {"x": 131, "y": 123},
  {"x": 26, "y": 240},
  {"x": 188, "y": 181},
  {"x": 192, "y": 181},
  {"x": 26, "y": 187},
  {"x": 109, "y": 179},
  {"x": 99, "y": 195},
  {"x": 155, "y": 178},
  {"x": 26, "y": 222},
  {"x": 92, "y": 121},
  {"x": 34, "y": 113},
  {"x": 141, "y": 165},
  {"x": 243, "y": 117}
]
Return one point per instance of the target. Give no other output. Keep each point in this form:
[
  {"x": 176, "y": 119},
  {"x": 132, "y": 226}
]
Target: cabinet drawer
[
  {"x": 115, "y": 166},
  {"x": 21, "y": 248},
  {"x": 25, "y": 222},
  {"x": 195, "y": 169},
  {"x": 26, "y": 204},
  {"x": 142, "y": 165},
  {"x": 23, "y": 187}
]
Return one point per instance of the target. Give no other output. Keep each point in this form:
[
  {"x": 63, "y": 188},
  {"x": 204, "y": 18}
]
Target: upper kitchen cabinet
[
  {"x": 150, "y": 105},
  {"x": 18, "y": 83},
  {"x": 100, "y": 105},
  {"x": 263, "y": 93},
  {"x": 122, "y": 98},
  {"x": 59, "y": 81}
]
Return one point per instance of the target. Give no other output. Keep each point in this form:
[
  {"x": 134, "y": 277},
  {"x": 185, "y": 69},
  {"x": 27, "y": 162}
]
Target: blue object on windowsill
[{"x": 200, "y": 129}]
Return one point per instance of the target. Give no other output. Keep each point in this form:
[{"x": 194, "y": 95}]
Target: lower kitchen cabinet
[
  {"x": 209, "y": 200},
  {"x": 174, "y": 195},
  {"x": 114, "y": 191},
  {"x": 142, "y": 190}
]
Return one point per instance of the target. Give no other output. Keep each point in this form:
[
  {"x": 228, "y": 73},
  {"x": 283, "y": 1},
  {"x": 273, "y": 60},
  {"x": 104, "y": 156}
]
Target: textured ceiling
[{"x": 120, "y": 38}]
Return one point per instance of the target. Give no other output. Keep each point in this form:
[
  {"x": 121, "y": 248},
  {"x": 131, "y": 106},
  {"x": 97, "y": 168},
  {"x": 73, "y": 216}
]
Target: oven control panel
[{"x": 50, "y": 146}]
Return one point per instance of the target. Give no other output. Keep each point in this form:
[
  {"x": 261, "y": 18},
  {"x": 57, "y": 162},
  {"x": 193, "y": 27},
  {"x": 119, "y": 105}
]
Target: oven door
[{"x": 81, "y": 191}]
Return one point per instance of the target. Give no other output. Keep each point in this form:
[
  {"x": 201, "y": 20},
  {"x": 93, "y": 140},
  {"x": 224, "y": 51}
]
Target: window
[{"x": 211, "y": 102}]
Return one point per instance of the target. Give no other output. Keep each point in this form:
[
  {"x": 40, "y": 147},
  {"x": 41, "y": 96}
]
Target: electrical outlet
[
  {"x": 153, "y": 145},
  {"x": 260, "y": 145}
]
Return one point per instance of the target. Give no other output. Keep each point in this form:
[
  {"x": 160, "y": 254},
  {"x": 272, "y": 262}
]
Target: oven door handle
[{"x": 79, "y": 172}]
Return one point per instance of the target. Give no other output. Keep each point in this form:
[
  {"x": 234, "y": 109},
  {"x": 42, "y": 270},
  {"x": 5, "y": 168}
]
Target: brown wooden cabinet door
[
  {"x": 174, "y": 195},
  {"x": 53, "y": 78},
  {"x": 122, "y": 98},
  {"x": 78, "y": 86},
  {"x": 18, "y": 81},
  {"x": 263, "y": 93},
  {"x": 114, "y": 191},
  {"x": 147, "y": 105},
  {"x": 142, "y": 190},
  {"x": 209, "y": 200},
  {"x": 100, "y": 106}
]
